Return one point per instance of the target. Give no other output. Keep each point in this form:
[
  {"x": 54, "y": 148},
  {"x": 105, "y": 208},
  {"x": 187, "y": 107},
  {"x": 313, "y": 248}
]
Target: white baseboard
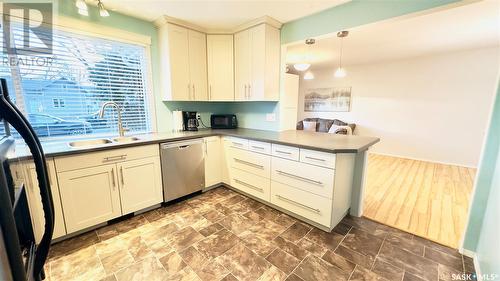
[
  {"x": 422, "y": 159},
  {"x": 477, "y": 268},
  {"x": 467, "y": 253}
]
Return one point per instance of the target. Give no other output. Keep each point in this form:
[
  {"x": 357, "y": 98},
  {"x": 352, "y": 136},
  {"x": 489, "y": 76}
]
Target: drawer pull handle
[
  {"x": 237, "y": 144},
  {"x": 284, "y": 152},
  {"x": 258, "y": 147},
  {"x": 249, "y": 163},
  {"x": 114, "y": 158},
  {"x": 249, "y": 185},
  {"x": 316, "y": 159},
  {"x": 299, "y": 177},
  {"x": 298, "y": 204}
]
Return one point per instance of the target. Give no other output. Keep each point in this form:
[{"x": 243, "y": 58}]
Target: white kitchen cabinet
[
  {"x": 89, "y": 196},
  {"x": 140, "y": 184},
  {"x": 35, "y": 202},
  {"x": 226, "y": 143},
  {"x": 220, "y": 59},
  {"x": 183, "y": 64},
  {"x": 242, "y": 65},
  {"x": 257, "y": 63},
  {"x": 198, "y": 65},
  {"x": 213, "y": 161}
]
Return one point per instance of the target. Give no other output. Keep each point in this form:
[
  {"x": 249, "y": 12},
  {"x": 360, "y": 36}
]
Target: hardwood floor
[{"x": 424, "y": 198}]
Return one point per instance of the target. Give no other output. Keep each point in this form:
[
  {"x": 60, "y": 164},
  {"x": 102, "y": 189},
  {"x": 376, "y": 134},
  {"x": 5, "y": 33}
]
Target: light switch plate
[{"x": 271, "y": 117}]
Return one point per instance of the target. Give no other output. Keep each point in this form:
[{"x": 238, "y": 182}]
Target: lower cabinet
[
  {"x": 140, "y": 184},
  {"x": 213, "y": 161},
  {"x": 251, "y": 184},
  {"x": 90, "y": 196},
  {"x": 302, "y": 203},
  {"x": 35, "y": 202}
]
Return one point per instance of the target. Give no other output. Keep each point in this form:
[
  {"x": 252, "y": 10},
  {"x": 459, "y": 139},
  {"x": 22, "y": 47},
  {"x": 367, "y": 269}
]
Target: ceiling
[
  {"x": 470, "y": 26},
  {"x": 220, "y": 15}
]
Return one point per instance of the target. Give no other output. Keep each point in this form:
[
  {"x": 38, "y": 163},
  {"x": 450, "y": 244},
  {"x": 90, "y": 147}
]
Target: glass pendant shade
[
  {"x": 301, "y": 66},
  {"x": 309, "y": 76},
  {"x": 340, "y": 72}
]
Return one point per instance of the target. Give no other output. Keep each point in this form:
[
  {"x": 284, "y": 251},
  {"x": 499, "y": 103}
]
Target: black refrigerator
[{"x": 21, "y": 258}]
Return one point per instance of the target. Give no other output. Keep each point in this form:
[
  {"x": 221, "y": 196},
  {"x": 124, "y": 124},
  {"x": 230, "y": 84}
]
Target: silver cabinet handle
[
  {"x": 189, "y": 91},
  {"x": 114, "y": 158},
  {"x": 314, "y": 158},
  {"x": 249, "y": 90},
  {"x": 237, "y": 144},
  {"x": 249, "y": 185},
  {"x": 194, "y": 93},
  {"x": 246, "y": 86},
  {"x": 299, "y": 177},
  {"x": 258, "y": 147},
  {"x": 298, "y": 204},
  {"x": 121, "y": 174},
  {"x": 284, "y": 152},
  {"x": 249, "y": 163},
  {"x": 113, "y": 177},
  {"x": 210, "y": 92}
]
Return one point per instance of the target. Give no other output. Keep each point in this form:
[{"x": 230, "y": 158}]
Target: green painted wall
[
  {"x": 352, "y": 14},
  {"x": 487, "y": 254},
  {"x": 484, "y": 180}
]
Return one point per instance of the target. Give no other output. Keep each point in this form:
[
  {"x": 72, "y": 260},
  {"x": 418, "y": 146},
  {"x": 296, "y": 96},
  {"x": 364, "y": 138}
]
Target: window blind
[{"x": 62, "y": 93}]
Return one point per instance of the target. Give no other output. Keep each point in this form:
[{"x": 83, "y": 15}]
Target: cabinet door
[
  {"x": 225, "y": 157},
  {"x": 179, "y": 62},
  {"x": 220, "y": 67},
  {"x": 198, "y": 65},
  {"x": 35, "y": 203},
  {"x": 258, "y": 62},
  {"x": 140, "y": 184},
  {"x": 213, "y": 161},
  {"x": 242, "y": 60},
  {"x": 89, "y": 196}
]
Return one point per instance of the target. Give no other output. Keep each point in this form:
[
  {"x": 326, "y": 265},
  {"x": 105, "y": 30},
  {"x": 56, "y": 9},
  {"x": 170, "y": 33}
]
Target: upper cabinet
[
  {"x": 257, "y": 63},
  {"x": 183, "y": 63},
  {"x": 243, "y": 65},
  {"x": 220, "y": 67}
]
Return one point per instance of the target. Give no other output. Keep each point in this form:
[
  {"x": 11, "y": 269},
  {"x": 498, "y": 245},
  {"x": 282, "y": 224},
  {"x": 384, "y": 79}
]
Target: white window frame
[{"x": 90, "y": 29}]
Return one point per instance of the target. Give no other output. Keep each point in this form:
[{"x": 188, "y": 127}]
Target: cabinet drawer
[
  {"x": 260, "y": 147},
  {"x": 92, "y": 159},
  {"x": 239, "y": 143},
  {"x": 305, "y": 204},
  {"x": 255, "y": 163},
  {"x": 284, "y": 151},
  {"x": 307, "y": 177},
  {"x": 319, "y": 158},
  {"x": 249, "y": 183}
]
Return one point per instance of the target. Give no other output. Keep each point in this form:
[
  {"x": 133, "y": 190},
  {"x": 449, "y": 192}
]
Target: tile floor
[{"x": 223, "y": 235}]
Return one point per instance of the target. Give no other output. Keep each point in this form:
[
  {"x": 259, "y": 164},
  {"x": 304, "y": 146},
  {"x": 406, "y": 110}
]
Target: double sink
[{"x": 103, "y": 141}]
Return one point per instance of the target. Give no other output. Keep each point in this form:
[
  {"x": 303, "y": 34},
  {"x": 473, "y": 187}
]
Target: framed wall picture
[{"x": 335, "y": 99}]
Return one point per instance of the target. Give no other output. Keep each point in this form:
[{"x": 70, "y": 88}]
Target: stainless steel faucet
[{"x": 121, "y": 130}]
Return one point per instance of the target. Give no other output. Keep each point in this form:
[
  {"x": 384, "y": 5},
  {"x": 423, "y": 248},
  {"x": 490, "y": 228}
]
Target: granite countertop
[{"x": 310, "y": 140}]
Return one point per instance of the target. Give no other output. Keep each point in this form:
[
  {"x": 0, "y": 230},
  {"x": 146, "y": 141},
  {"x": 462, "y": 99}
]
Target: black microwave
[{"x": 223, "y": 121}]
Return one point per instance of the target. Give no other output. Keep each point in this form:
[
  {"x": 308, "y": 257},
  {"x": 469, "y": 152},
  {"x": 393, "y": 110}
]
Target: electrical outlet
[
  {"x": 271, "y": 117},
  {"x": 198, "y": 116}
]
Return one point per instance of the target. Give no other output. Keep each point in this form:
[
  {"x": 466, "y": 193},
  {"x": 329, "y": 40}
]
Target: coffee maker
[{"x": 189, "y": 121}]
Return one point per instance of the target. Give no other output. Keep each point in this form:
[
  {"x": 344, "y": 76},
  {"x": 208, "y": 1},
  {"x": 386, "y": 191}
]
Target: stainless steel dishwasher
[{"x": 183, "y": 168}]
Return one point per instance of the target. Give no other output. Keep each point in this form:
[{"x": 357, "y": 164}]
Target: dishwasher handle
[{"x": 181, "y": 147}]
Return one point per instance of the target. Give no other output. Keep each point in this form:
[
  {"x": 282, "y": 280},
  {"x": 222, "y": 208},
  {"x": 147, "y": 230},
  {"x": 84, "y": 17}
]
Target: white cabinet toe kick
[{"x": 310, "y": 185}]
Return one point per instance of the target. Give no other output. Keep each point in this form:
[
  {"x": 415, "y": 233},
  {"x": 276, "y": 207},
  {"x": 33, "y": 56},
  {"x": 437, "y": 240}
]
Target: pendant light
[
  {"x": 303, "y": 66},
  {"x": 309, "y": 76},
  {"x": 340, "y": 72},
  {"x": 102, "y": 11},
  {"x": 82, "y": 7}
]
